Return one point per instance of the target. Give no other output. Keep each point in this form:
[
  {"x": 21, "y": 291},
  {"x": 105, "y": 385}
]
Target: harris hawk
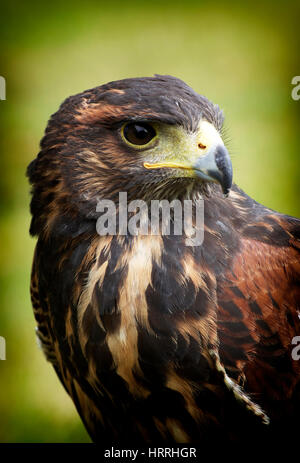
[{"x": 155, "y": 340}]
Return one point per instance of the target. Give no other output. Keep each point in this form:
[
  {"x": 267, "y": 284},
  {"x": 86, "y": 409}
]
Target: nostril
[{"x": 201, "y": 146}]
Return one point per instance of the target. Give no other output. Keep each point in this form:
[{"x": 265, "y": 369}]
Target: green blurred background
[{"x": 242, "y": 58}]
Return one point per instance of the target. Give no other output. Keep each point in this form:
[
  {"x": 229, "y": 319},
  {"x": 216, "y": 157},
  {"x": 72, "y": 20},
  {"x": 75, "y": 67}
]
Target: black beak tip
[
  {"x": 226, "y": 193},
  {"x": 224, "y": 165}
]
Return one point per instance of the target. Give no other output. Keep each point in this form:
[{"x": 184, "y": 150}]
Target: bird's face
[{"x": 154, "y": 138}]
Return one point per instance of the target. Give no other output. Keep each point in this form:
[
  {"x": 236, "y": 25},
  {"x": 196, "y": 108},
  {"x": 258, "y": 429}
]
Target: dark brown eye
[{"x": 139, "y": 133}]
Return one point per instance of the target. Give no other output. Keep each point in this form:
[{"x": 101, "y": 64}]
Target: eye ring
[{"x": 138, "y": 134}]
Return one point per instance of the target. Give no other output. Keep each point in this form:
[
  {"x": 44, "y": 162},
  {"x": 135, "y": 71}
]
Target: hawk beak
[
  {"x": 214, "y": 166},
  {"x": 203, "y": 154}
]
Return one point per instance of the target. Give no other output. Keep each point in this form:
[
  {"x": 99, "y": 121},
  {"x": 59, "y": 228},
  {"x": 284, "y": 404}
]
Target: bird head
[{"x": 154, "y": 138}]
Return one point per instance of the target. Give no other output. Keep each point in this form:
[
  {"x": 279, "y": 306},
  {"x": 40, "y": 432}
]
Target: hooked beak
[
  {"x": 214, "y": 166},
  {"x": 202, "y": 154}
]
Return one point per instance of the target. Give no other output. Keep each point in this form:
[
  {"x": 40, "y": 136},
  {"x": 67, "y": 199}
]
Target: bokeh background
[{"x": 241, "y": 57}]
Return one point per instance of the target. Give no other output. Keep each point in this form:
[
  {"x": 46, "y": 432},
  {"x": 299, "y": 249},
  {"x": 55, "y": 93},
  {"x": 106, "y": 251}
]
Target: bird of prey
[{"x": 156, "y": 340}]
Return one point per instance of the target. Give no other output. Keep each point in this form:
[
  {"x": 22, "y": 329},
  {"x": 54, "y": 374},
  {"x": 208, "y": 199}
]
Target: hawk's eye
[{"x": 138, "y": 133}]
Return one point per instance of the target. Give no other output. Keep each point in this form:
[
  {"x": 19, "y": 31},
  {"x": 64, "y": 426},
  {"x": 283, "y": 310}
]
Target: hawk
[{"x": 155, "y": 340}]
